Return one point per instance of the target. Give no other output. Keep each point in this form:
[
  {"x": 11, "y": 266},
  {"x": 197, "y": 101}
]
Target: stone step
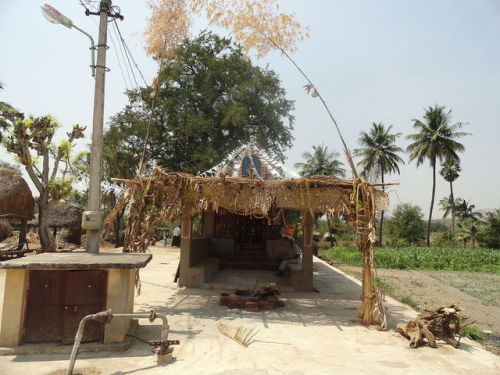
[{"x": 248, "y": 265}]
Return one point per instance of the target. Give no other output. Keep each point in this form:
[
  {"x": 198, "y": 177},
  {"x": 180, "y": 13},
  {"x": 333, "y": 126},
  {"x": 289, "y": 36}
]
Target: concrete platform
[
  {"x": 315, "y": 333},
  {"x": 78, "y": 260}
]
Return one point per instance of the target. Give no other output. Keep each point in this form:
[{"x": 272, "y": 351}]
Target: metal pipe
[
  {"x": 76, "y": 345},
  {"x": 106, "y": 317},
  {"x": 92, "y": 48},
  {"x": 152, "y": 316}
]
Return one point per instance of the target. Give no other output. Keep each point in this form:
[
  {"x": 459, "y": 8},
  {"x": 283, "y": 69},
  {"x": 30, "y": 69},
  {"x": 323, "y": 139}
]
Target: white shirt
[{"x": 177, "y": 231}]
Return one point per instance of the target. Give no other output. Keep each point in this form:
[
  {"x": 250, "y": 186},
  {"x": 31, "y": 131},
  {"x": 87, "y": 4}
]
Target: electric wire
[
  {"x": 126, "y": 54},
  {"x": 120, "y": 48},
  {"x": 129, "y": 53},
  {"x": 118, "y": 60}
]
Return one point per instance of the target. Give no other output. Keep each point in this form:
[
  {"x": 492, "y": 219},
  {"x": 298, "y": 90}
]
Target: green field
[{"x": 425, "y": 258}]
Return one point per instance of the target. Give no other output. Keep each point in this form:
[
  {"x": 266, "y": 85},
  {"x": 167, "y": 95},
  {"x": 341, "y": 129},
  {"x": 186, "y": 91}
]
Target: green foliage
[
  {"x": 489, "y": 235},
  {"x": 31, "y": 140},
  {"x": 321, "y": 162},
  {"x": 407, "y": 300},
  {"x": 292, "y": 218},
  {"x": 210, "y": 100},
  {"x": 379, "y": 153},
  {"x": 450, "y": 170},
  {"x": 435, "y": 137},
  {"x": 60, "y": 188},
  {"x": 384, "y": 285},
  {"x": 444, "y": 239},
  {"x": 450, "y": 259},
  {"x": 405, "y": 225},
  {"x": 473, "y": 333}
]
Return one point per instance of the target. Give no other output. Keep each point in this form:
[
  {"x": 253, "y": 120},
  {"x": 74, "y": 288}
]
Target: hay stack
[
  {"x": 66, "y": 215},
  {"x": 16, "y": 200}
]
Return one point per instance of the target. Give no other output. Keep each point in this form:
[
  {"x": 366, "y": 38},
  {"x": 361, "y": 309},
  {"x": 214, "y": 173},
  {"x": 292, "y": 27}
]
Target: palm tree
[
  {"x": 450, "y": 172},
  {"x": 465, "y": 211},
  {"x": 379, "y": 155},
  {"x": 435, "y": 140},
  {"x": 321, "y": 162},
  {"x": 468, "y": 230},
  {"x": 447, "y": 205}
]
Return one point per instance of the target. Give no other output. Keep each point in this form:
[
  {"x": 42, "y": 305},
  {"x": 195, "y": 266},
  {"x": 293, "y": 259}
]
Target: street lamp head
[{"x": 52, "y": 15}]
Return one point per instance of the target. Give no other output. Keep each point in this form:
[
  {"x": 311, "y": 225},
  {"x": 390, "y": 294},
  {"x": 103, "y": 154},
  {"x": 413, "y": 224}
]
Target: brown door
[
  {"x": 58, "y": 300},
  {"x": 85, "y": 294}
]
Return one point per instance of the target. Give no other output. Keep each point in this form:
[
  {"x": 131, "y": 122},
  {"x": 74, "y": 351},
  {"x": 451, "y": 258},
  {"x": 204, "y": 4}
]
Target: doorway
[{"x": 58, "y": 300}]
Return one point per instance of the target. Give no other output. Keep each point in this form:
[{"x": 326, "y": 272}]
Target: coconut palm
[
  {"x": 468, "y": 231},
  {"x": 450, "y": 172},
  {"x": 321, "y": 162},
  {"x": 465, "y": 211},
  {"x": 379, "y": 155},
  {"x": 435, "y": 140},
  {"x": 447, "y": 205}
]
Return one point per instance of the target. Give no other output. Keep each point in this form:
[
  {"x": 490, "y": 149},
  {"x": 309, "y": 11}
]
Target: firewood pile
[
  {"x": 264, "y": 297},
  {"x": 443, "y": 323}
]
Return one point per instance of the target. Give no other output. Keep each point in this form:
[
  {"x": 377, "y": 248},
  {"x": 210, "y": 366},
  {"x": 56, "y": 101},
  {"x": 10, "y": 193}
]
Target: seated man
[{"x": 293, "y": 257}]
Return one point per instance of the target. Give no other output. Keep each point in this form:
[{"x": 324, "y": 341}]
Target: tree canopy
[
  {"x": 406, "y": 225},
  {"x": 379, "y": 153},
  {"x": 321, "y": 162},
  {"x": 30, "y": 139},
  {"x": 210, "y": 99}
]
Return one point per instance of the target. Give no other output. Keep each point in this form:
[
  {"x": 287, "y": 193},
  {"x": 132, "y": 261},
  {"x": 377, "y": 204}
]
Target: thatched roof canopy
[
  {"x": 318, "y": 194},
  {"x": 63, "y": 215},
  {"x": 16, "y": 199}
]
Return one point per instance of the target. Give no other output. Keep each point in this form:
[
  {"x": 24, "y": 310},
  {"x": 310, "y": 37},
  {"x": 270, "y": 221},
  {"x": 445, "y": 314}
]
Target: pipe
[{"x": 106, "y": 317}]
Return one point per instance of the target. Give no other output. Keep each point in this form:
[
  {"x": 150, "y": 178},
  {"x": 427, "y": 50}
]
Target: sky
[{"x": 373, "y": 61}]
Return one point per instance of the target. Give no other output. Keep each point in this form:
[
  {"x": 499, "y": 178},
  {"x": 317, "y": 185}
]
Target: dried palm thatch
[
  {"x": 243, "y": 336},
  {"x": 16, "y": 199},
  {"x": 162, "y": 196},
  {"x": 66, "y": 215}
]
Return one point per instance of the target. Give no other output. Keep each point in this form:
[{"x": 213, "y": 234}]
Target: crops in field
[{"x": 428, "y": 258}]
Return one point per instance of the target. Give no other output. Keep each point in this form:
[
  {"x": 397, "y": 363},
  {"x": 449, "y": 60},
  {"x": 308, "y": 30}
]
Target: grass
[
  {"x": 384, "y": 285},
  {"x": 407, "y": 300},
  {"x": 425, "y": 258},
  {"x": 473, "y": 333}
]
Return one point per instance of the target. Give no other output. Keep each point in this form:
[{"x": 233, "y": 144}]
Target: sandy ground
[
  {"x": 315, "y": 333},
  {"x": 477, "y": 293}
]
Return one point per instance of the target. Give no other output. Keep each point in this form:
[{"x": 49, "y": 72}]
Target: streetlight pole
[{"x": 92, "y": 220}]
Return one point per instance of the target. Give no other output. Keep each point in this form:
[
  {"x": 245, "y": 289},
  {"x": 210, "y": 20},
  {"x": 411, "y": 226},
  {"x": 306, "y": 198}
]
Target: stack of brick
[{"x": 252, "y": 304}]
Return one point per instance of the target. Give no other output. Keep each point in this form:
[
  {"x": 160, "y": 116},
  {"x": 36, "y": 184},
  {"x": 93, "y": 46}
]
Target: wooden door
[{"x": 58, "y": 300}]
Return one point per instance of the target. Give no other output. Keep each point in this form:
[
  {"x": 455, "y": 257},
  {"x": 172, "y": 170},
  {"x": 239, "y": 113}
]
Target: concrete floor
[{"x": 315, "y": 333}]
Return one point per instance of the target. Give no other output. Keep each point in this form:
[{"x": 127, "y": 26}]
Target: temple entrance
[{"x": 252, "y": 235}]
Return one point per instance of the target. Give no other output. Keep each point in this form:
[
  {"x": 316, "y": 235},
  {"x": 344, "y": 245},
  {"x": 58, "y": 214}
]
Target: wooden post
[
  {"x": 186, "y": 228},
  {"x": 307, "y": 254}
]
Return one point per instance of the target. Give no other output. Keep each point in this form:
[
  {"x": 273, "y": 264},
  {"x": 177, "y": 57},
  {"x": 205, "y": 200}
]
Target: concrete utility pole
[{"x": 92, "y": 219}]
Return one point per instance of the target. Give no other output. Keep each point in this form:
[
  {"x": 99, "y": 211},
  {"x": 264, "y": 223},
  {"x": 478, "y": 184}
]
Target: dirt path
[{"x": 431, "y": 289}]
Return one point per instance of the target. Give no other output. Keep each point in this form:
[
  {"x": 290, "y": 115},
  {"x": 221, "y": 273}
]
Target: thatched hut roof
[
  {"x": 66, "y": 215},
  {"x": 16, "y": 199},
  {"x": 317, "y": 194},
  {"x": 162, "y": 197},
  {"x": 63, "y": 215}
]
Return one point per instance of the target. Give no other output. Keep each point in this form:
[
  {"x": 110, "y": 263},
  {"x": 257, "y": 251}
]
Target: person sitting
[{"x": 293, "y": 257}]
